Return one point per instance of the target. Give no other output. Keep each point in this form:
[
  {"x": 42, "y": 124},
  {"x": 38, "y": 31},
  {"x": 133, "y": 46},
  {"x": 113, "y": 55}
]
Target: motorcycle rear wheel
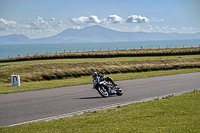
[{"x": 102, "y": 91}]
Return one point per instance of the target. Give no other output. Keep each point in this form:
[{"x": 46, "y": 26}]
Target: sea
[{"x": 17, "y": 50}]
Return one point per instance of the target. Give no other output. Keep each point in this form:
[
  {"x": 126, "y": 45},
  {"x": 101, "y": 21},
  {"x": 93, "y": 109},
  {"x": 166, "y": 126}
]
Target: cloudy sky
[{"x": 43, "y": 18}]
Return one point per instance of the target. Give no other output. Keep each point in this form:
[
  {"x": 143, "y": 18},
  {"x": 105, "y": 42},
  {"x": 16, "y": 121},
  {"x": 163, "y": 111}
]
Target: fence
[{"x": 101, "y": 49}]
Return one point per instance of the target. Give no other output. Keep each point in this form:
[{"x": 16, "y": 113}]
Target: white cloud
[
  {"x": 41, "y": 23},
  {"x": 6, "y": 25},
  {"x": 153, "y": 29},
  {"x": 186, "y": 28},
  {"x": 38, "y": 27},
  {"x": 79, "y": 20},
  {"x": 44, "y": 27},
  {"x": 173, "y": 29},
  {"x": 136, "y": 19},
  {"x": 157, "y": 20},
  {"x": 76, "y": 27},
  {"x": 82, "y": 20},
  {"x": 165, "y": 27},
  {"x": 158, "y": 27},
  {"x": 125, "y": 28},
  {"x": 116, "y": 29},
  {"x": 136, "y": 28},
  {"x": 150, "y": 27},
  {"x": 94, "y": 19},
  {"x": 52, "y": 19},
  {"x": 114, "y": 19}
]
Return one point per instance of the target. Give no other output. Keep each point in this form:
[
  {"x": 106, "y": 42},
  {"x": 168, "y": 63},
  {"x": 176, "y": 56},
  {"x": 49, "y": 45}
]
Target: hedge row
[{"x": 106, "y": 54}]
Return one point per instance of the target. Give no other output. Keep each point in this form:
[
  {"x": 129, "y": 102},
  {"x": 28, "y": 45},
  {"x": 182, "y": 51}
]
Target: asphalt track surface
[{"x": 21, "y": 107}]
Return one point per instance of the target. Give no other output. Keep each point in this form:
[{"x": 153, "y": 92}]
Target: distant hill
[
  {"x": 96, "y": 33},
  {"x": 14, "y": 39}
]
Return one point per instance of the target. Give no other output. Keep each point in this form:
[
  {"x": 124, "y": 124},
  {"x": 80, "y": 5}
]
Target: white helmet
[{"x": 94, "y": 75}]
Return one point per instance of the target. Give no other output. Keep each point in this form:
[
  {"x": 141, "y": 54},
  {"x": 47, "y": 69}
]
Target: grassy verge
[
  {"x": 39, "y": 85},
  {"x": 39, "y": 70},
  {"x": 171, "y": 114}
]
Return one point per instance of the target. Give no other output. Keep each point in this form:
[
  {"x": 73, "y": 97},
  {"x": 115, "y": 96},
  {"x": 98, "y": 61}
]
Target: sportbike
[{"x": 106, "y": 88}]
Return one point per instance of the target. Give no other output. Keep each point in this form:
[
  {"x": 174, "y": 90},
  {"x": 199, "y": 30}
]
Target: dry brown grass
[
  {"x": 63, "y": 68},
  {"x": 113, "y": 53}
]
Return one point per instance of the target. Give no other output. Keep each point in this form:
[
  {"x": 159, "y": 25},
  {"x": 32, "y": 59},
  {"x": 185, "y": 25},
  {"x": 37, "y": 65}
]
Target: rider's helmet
[{"x": 94, "y": 75}]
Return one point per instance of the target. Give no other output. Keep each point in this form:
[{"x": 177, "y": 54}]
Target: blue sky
[{"x": 43, "y": 18}]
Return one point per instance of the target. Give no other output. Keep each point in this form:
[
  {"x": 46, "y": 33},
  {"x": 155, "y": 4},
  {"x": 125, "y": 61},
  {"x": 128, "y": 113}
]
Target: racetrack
[{"x": 27, "y": 106}]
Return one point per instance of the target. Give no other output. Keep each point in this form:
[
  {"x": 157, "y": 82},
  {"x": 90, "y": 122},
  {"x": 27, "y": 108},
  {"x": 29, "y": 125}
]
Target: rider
[{"x": 95, "y": 76}]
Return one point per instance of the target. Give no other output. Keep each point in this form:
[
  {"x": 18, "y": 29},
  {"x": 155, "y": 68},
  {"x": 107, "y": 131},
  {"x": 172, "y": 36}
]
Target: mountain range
[{"x": 95, "y": 33}]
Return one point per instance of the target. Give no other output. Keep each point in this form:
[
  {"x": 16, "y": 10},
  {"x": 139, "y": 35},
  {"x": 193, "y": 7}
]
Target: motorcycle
[{"x": 106, "y": 88}]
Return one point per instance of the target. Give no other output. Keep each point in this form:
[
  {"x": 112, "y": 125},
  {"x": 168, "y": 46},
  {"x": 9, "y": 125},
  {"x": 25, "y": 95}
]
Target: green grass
[
  {"x": 38, "y": 70},
  {"x": 112, "y": 53},
  {"x": 39, "y": 85},
  {"x": 171, "y": 114}
]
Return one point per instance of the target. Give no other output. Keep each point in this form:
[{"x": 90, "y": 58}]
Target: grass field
[
  {"x": 170, "y": 114},
  {"x": 112, "y": 53},
  {"x": 177, "y": 114},
  {"x": 53, "y": 73},
  {"x": 39, "y": 85},
  {"x": 38, "y": 70}
]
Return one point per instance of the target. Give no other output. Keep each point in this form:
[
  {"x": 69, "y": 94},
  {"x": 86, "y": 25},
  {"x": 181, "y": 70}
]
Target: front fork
[{"x": 103, "y": 87}]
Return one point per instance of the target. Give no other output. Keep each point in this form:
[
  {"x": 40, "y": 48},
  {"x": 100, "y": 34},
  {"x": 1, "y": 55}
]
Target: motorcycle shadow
[
  {"x": 96, "y": 97},
  {"x": 91, "y": 97}
]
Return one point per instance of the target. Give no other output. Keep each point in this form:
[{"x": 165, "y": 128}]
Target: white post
[{"x": 15, "y": 79}]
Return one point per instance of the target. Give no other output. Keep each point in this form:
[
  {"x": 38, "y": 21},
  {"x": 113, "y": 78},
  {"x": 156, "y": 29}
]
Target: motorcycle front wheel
[
  {"x": 102, "y": 91},
  {"x": 119, "y": 92}
]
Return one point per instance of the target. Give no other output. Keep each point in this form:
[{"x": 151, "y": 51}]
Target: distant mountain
[
  {"x": 100, "y": 34},
  {"x": 89, "y": 34},
  {"x": 97, "y": 34},
  {"x": 14, "y": 39}
]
